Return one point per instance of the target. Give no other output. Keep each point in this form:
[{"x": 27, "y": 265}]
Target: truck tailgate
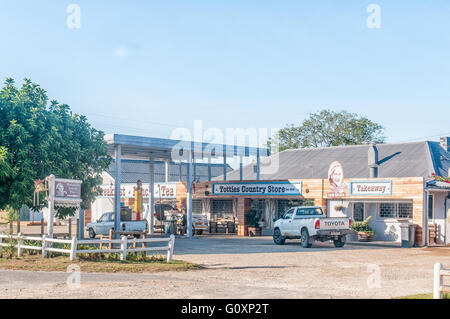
[{"x": 334, "y": 223}]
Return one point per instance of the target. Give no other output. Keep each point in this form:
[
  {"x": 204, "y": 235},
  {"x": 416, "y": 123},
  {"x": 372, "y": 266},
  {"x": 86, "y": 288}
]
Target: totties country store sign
[
  {"x": 255, "y": 188},
  {"x": 161, "y": 190}
]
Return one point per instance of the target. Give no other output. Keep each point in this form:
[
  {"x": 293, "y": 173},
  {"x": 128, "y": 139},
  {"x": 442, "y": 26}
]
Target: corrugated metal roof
[
  {"x": 417, "y": 159},
  {"x": 132, "y": 170}
]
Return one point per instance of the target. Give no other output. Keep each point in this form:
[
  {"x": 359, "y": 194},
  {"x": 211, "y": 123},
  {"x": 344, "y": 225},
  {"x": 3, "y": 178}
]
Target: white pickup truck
[
  {"x": 309, "y": 223},
  {"x": 106, "y": 222}
]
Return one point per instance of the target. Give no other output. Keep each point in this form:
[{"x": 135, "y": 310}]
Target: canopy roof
[{"x": 140, "y": 147}]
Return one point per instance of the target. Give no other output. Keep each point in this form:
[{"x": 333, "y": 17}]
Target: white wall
[
  {"x": 101, "y": 205},
  {"x": 385, "y": 229},
  {"x": 439, "y": 199}
]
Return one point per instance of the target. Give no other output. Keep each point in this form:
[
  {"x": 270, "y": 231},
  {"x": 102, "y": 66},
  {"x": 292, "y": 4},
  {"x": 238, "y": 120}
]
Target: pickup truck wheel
[
  {"x": 305, "y": 239},
  {"x": 338, "y": 243},
  {"x": 277, "y": 238},
  {"x": 91, "y": 233}
]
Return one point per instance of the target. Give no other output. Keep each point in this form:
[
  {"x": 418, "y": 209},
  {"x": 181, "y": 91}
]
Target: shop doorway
[
  {"x": 258, "y": 207},
  {"x": 358, "y": 212}
]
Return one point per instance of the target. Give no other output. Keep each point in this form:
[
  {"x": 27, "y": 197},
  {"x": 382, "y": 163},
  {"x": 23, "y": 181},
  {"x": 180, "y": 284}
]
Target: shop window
[
  {"x": 404, "y": 210},
  {"x": 395, "y": 210},
  {"x": 222, "y": 208},
  {"x": 196, "y": 206},
  {"x": 358, "y": 212}
]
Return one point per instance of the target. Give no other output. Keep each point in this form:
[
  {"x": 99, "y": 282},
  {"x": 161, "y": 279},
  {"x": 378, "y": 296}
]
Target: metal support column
[
  {"x": 209, "y": 169},
  {"x": 189, "y": 196},
  {"x": 117, "y": 179},
  {"x": 166, "y": 170},
  {"x": 80, "y": 223},
  {"x": 241, "y": 165},
  {"x": 151, "y": 201},
  {"x": 224, "y": 163},
  {"x": 258, "y": 162}
]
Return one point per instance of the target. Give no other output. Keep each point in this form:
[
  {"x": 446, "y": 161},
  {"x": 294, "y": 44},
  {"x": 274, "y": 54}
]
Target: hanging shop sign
[
  {"x": 161, "y": 190},
  {"x": 371, "y": 188},
  {"x": 258, "y": 188},
  {"x": 336, "y": 179}
]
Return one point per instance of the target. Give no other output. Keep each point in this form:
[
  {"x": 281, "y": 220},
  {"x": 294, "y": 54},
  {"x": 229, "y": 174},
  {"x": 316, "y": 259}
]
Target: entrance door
[{"x": 358, "y": 212}]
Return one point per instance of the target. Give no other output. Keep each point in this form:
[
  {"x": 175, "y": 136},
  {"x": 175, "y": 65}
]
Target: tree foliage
[
  {"x": 329, "y": 128},
  {"x": 38, "y": 138}
]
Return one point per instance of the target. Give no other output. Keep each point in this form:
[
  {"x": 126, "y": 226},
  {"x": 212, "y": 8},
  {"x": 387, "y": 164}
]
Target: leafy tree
[
  {"x": 38, "y": 138},
  {"x": 329, "y": 128}
]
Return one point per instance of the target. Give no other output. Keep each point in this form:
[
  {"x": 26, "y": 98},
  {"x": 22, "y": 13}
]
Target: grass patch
[
  {"x": 60, "y": 263},
  {"x": 423, "y": 296}
]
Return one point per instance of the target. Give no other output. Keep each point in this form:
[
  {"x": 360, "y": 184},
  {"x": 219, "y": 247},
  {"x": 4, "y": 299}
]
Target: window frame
[{"x": 396, "y": 211}]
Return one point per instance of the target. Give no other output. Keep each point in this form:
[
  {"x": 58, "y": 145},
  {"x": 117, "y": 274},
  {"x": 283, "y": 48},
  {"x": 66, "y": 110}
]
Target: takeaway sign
[
  {"x": 371, "y": 188},
  {"x": 257, "y": 188}
]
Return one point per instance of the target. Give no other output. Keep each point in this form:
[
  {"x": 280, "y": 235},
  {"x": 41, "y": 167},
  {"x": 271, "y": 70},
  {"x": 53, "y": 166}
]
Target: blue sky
[{"x": 147, "y": 67}]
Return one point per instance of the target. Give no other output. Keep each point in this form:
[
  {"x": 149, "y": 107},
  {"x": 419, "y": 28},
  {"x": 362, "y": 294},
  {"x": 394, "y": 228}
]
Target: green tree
[
  {"x": 38, "y": 138},
  {"x": 329, "y": 128}
]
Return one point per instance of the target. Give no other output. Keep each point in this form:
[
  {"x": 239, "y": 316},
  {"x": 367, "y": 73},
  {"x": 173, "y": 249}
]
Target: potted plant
[
  {"x": 253, "y": 220},
  {"x": 365, "y": 232}
]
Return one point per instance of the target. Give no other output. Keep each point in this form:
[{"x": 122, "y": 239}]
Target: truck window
[
  {"x": 308, "y": 211},
  {"x": 288, "y": 214}
]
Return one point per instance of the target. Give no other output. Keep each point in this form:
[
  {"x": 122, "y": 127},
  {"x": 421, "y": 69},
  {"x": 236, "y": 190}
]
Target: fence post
[
  {"x": 170, "y": 250},
  {"x": 437, "y": 281},
  {"x": 123, "y": 246},
  {"x": 70, "y": 227},
  {"x": 1, "y": 241},
  {"x": 42, "y": 226},
  {"x": 73, "y": 248},
  {"x": 44, "y": 246},
  {"x": 111, "y": 237},
  {"x": 19, "y": 245}
]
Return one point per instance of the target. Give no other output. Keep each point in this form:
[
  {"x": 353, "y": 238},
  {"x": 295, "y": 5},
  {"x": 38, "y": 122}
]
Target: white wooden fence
[
  {"x": 124, "y": 242},
  {"x": 438, "y": 286}
]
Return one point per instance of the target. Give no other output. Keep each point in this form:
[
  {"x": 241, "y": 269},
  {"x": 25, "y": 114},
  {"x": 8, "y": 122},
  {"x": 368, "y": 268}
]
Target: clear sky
[{"x": 146, "y": 67}]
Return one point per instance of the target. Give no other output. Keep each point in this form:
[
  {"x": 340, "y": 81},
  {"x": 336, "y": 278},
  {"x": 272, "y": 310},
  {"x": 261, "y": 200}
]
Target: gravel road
[{"x": 252, "y": 268}]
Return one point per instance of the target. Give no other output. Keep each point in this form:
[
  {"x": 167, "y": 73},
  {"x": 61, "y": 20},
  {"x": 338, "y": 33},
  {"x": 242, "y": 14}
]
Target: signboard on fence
[
  {"x": 258, "y": 188},
  {"x": 67, "y": 189},
  {"x": 161, "y": 190}
]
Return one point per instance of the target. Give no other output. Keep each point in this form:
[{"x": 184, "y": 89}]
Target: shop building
[{"x": 393, "y": 183}]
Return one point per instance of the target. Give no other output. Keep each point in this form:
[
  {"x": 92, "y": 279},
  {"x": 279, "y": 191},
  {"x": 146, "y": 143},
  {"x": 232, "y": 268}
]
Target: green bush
[{"x": 363, "y": 226}]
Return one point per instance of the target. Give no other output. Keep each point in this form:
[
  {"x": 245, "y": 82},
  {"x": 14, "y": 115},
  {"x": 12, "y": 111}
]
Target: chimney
[
  {"x": 445, "y": 141},
  {"x": 372, "y": 157}
]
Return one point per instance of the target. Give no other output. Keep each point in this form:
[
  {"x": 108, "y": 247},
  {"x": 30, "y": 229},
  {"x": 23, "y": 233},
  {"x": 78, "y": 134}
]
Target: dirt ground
[{"x": 252, "y": 268}]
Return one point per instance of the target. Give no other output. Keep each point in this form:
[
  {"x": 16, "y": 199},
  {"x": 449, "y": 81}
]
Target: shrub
[{"x": 362, "y": 226}]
